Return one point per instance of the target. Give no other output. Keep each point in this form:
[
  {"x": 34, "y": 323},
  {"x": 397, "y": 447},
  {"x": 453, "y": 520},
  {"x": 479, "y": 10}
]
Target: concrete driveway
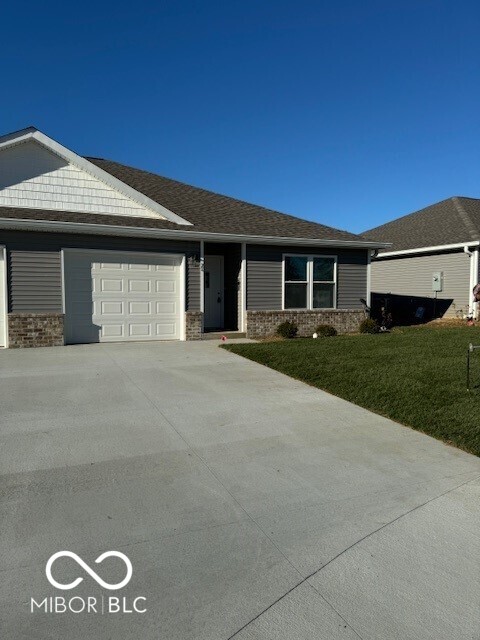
[{"x": 250, "y": 505}]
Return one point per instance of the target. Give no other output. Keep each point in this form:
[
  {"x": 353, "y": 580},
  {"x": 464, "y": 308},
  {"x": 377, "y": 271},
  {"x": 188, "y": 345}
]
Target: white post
[
  {"x": 202, "y": 282},
  {"x": 475, "y": 282},
  {"x": 472, "y": 280},
  {"x": 243, "y": 289},
  {"x": 202, "y": 276},
  {"x": 183, "y": 297},
  {"x": 369, "y": 280}
]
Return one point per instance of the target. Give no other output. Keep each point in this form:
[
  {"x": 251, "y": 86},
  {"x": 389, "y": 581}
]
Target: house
[
  {"x": 95, "y": 251},
  {"x": 433, "y": 261}
]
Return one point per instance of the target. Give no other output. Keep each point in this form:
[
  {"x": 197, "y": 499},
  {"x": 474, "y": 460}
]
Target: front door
[{"x": 214, "y": 305}]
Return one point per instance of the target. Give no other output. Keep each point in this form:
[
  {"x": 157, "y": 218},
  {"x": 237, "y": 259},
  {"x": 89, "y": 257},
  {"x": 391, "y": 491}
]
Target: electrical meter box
[{"x": 437, "y": 281}]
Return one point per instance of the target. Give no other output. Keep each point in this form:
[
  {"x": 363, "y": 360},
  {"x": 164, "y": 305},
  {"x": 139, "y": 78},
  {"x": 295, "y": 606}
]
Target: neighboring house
[
  {"x": 95, "y": 251},
  {"x": 434, "y": 257}
]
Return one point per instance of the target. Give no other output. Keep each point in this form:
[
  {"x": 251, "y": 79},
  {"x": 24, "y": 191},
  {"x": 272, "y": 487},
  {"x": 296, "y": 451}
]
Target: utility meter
[{"x": 437, "y": 281}]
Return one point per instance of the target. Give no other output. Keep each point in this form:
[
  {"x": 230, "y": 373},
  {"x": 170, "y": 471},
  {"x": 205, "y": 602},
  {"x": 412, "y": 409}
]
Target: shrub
[
  {"x": 369, "y": 325},
  {"x": 287, "y": 329},
  {"x": 325, "y": 331}
]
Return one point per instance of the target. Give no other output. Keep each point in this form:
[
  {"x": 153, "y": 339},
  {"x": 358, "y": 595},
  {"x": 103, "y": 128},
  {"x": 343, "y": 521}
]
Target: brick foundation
[
  {"x": 262, "y": 324},
  {"x": 35, "y": 330},
  {"x": 193, "y": 325}
]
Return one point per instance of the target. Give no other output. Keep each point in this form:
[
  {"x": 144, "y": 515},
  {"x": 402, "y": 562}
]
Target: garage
[{"x": 122, "y": 297}]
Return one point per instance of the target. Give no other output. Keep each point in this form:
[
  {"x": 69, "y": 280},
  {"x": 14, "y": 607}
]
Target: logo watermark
[{"x": 89, "y": 604}]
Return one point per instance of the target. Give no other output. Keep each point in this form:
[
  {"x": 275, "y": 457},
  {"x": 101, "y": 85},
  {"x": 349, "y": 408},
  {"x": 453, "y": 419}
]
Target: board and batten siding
[
  {"x": 265, "y": 273},
  {"x": 32, "y": 176},
  {"x": 412, "y": 276},
  {"x": 35, "y": 273}
]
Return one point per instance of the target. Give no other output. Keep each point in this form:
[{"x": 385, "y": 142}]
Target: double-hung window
[{"x": 309, "y": 282}]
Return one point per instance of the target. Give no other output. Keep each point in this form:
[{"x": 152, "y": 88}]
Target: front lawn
[{"x": 415, "y": 376}]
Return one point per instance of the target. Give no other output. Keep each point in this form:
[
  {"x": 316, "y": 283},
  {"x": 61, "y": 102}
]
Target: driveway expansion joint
[{"x": 368, "y": 535}]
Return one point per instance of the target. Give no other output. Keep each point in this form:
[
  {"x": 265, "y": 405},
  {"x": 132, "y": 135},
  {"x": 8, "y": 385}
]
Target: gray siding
[
  {"x": 193, "y": 281},
  {"x": 35, "y": 281},
  {"x": 34, "y": 265},
  {"x": 412, "y": 276},
  {"x": 352, "y": 279},
  {"x": 264, "y": 275}
]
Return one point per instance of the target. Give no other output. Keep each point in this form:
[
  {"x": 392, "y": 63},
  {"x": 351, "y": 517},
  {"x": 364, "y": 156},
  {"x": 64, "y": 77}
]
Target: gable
[{"x": 31, "y": 176}]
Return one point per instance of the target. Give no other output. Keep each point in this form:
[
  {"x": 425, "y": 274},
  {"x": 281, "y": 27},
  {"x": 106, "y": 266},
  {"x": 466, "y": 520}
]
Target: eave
[
  {"x": 53, "y": 226},
  {"x": 432, "y": 249}
]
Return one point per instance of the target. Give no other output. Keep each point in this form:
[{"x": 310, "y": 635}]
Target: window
[
  {"x": 323, "y": 282},
  {"x": 309, "y": 282},
  {"x": 296, "y": 282}
]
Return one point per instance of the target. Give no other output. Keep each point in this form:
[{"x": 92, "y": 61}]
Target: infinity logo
[{"x": 91, "y": 572}]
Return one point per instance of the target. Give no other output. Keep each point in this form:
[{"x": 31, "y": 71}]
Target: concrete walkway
[{"x": 250, "y": 505}]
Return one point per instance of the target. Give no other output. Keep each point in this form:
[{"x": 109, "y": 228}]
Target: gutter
[
  {"x": 440, "y": 247},
  {"x": 174, "y": 234}
]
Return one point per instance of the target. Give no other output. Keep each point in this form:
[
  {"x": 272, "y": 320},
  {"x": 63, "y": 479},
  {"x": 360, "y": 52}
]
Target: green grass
[{"x": 415, "y": 376}]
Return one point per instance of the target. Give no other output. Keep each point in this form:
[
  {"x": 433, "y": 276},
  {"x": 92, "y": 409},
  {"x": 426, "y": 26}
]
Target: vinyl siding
[
  {"x": 412, "y": 276},
  {"x": 34, "y": 265},
  {"x": 352, "y": 279},
  {"x": 264, "y": 275},
  {"x": 193, "y": 281},
  {"x": 36, "y": 281},
  {"x": 31, "y": 176}
]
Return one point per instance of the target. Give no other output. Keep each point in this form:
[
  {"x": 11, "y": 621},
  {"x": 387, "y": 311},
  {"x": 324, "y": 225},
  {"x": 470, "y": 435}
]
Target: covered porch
[{"x": 223, "y": 281}]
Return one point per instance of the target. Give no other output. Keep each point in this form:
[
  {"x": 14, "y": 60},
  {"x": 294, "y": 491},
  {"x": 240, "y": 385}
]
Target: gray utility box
[{"x": 437, "y": 281}]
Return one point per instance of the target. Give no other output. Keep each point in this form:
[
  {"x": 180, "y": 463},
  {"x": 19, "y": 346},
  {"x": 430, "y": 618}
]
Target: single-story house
[
  {"x": 433, "y": 258},
  {"x": 95, "y": 251}
]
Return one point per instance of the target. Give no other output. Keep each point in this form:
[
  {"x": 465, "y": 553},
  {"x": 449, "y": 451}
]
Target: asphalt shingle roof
[
  {"x": 207, "y": 211},
  {"x": 450, "y": 221}
]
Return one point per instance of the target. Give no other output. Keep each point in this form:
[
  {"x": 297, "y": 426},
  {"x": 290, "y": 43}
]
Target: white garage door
[{"x": 112, "y": 297}]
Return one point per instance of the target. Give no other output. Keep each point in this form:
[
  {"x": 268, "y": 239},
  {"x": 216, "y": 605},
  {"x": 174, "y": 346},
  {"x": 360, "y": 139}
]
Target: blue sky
[{"x": 349, "y": 112}]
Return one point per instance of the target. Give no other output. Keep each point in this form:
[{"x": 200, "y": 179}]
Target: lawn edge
[{"x": 228, "y": 347}]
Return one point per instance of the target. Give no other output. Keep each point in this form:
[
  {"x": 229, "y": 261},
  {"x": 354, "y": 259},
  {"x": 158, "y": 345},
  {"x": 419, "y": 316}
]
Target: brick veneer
[
  {"x": 261, "y": 324},
  {"x": 35, "y": 330},
  {"x": 193, "y": 325}
]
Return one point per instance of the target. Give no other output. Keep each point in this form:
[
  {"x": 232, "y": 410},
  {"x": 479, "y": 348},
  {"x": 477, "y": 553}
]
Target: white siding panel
[
  {"x": 412, "y": 276},
  {"x": 33, "y": 177}
]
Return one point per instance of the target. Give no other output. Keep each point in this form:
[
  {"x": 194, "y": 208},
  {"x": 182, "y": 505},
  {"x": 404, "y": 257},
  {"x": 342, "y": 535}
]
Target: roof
[
  {"x": 212, "y": 212},
  {"x": 182, "y": 209},
  {"x": 452, "y": 221}
]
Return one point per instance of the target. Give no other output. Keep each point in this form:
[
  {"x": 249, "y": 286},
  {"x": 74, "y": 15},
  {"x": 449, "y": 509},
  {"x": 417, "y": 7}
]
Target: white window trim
[{"x": 310, "y": 281}]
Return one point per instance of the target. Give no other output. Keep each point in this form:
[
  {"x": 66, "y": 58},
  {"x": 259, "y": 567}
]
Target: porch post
[
  {"x": 243, "y": 289},
  {"x": 369, "y": 279},
  {"x": 474, "y": 280},
  {"x": 202, "y": 283}
]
